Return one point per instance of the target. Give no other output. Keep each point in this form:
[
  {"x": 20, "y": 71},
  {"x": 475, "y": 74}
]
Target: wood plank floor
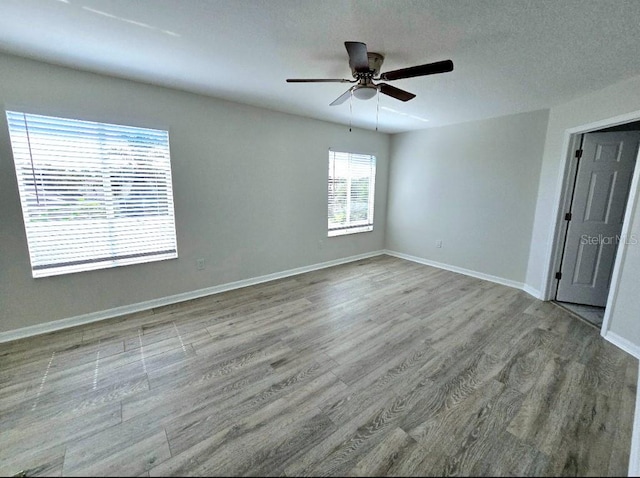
[{"x": 378, "y": 367}]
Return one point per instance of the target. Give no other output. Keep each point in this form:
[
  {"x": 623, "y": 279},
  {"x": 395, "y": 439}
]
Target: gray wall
[
  {"x": 472, "y": 185},
  {"x": 625, "y": 312},
  {"x": 249, "y": 184}
]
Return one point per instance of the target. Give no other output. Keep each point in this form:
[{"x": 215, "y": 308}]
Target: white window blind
[
  {"x": 351, "y": 192},
  {"x": 93, "y": 195}
]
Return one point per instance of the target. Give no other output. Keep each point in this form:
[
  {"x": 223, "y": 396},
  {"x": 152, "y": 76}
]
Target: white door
[{"x": 600, "y": 195}]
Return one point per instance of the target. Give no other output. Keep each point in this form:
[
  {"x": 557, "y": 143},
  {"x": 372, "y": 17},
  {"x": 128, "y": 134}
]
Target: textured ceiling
[{"x": 510, "y": 56}]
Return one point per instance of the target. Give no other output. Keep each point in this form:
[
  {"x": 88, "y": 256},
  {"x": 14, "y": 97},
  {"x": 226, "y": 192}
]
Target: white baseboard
[
  {"x": 622, "y": 343},
  {"x": 150, "y": 304},
  {"x": 459, "y": 270},
  {"x": 532, "y": 291}
]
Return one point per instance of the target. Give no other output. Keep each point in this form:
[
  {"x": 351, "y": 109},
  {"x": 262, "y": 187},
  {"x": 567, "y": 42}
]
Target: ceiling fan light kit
[
  {"x": 365, "y": 92},
  {"x": 365, "y": 68}
]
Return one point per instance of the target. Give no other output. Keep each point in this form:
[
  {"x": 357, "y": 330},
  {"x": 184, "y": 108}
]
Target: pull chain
[
  {"x": 377, "y": 109},
  {"x": 350, "y": 109}
]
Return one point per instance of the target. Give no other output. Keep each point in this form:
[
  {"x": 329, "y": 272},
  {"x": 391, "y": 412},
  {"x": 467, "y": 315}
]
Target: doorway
[{"x": 597, "y": 192}]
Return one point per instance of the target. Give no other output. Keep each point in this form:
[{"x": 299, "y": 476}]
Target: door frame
[{"x": 564, "y": 189}]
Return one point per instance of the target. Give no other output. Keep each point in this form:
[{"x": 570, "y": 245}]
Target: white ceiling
[{"x": 510, "y": 55}]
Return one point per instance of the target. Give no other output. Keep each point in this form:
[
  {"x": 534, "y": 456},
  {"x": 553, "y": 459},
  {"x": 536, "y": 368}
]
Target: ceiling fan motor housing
[{"x": 375, "y": 63}]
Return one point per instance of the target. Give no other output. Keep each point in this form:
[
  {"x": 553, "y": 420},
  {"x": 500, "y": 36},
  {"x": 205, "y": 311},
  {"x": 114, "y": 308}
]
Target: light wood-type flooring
[{"x": 377, "y": 367}]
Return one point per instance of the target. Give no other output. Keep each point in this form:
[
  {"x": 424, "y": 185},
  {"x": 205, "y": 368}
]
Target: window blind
[
  {"x": 93, "y": 195},
  {"x": 351, "y": 192}
]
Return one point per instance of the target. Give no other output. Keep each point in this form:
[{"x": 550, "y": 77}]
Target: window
[
  {"x": 93, "y": 195},
  {"x": 351, "y": 192}
]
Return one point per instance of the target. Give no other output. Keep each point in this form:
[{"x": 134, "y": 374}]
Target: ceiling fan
[{"x": 365, "y": 68}]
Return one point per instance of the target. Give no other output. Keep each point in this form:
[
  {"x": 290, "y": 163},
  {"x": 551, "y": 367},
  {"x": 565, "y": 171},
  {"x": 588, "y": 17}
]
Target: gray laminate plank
[
  {"x": 441, "y": 420},
  {"x": 55, "y": 430},
  {"x": 277, "y": 387},
  {"x": 402, "y": 372},
  {"x": 40, "y": 461},
  {"x": 374, "y": 425},
  {"x": 196, "y": 398},
  {"x": 510, "y": 456},
  {"x": 118, "y": 451},
  {"x": 589, "y": 456},
  {"x": 619, "y": 462},
  {"x": 204, "y": 368},
  {"x": 478, "y": 434},
  {"x": 249, "y": 446},
  {"x": 546, "y": 413},
  {"x": 380, "y": 460},
  {"x": 528, "y": 358}
]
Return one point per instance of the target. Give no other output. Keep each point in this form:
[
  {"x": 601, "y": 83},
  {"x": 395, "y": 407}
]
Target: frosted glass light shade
[{"x": 365, "y": 92}]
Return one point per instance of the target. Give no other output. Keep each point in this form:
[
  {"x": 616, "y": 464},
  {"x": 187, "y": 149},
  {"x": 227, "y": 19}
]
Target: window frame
[
  {"x": 143, "y": 196},
  {"x": 359, "y": 226}
]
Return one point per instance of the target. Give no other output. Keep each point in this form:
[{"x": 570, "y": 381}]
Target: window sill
[{"x": 351, "y": 230}]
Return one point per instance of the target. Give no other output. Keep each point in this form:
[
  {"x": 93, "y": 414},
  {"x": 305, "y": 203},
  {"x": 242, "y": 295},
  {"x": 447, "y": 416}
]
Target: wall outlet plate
[
  {"x": 200, "y": 264},
  {"x": 439, "y": 243}
]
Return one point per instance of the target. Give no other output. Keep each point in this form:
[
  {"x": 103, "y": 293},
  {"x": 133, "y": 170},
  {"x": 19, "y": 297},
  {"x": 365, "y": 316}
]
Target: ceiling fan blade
[
  {"x": 358, "y": 57},
  {"x": 342, "y": 98},
  {"x": 396, "y": 93},
  {"x": 314, "y": 80},
  {"x": 420, "y": 70}
]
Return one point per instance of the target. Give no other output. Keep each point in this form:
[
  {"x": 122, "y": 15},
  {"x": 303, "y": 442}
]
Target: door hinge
[
  {"x": 558, "y": 275},
  {"x": 568, "y": 216},
  {"x": 578, "y": 153}
]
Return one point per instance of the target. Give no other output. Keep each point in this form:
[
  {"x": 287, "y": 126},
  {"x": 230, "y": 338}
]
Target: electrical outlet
[
  {"x": 320, "y": 243},
  {"x": 200, "y": 264},
  {"x": 439, "y": 243}
]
